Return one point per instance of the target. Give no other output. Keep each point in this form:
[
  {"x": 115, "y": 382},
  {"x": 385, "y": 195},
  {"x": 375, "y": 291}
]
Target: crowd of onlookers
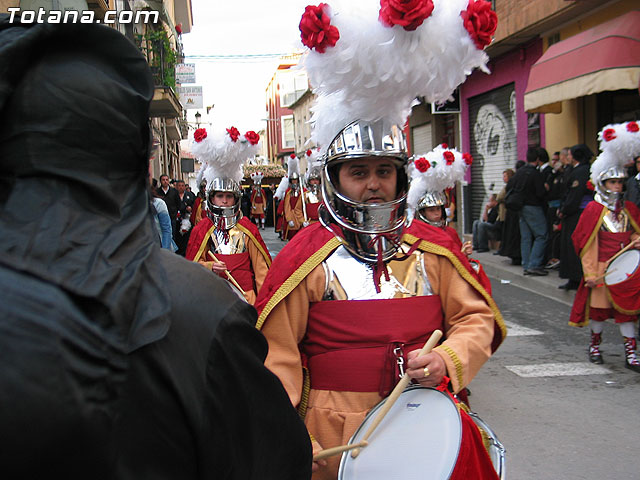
[
  {"x": 537, "y": 210},
  {"x": 174, "y": 202}
]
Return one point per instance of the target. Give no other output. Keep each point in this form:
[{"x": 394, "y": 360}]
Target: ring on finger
[{"x": 426, "y": 371}]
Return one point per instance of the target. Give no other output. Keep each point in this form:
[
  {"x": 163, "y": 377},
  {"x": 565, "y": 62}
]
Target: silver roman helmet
[
  {"x": 223, "y": 217},
  {"x": 367, "y": 229},
  {"x": 432, "y": 199}
]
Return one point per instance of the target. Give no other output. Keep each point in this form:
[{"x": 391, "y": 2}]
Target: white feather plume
[
  {"x": 436, "y": 179},
  {"x": 625, "y": 143},
  {"x": 282, "y": 188},
  {"x": 221, "y": 157},
  {"x": 375, "y": 72}
]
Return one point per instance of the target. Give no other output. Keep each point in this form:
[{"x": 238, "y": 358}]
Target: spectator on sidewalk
[
  {"x": 528, "y": 183},
  {"x": 554, "y": 184},
  {"x": 487, "y": 227},
  {"x": 576, "y": 198},
  {"x": 633, "y": 184},
  {"x": 510, "y": 241}
]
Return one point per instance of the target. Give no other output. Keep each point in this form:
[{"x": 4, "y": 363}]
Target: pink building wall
[{"x": 510, "y": 67}]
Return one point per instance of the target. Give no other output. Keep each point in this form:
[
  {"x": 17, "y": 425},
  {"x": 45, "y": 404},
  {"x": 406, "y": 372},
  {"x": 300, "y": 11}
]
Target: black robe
[{"x": 118, "y": 359}]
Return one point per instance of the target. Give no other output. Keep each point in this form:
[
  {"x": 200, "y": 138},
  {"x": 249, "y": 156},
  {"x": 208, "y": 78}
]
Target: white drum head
[
  {"x": 419, "y": 438},
  {"x": 622, "y": 267}
]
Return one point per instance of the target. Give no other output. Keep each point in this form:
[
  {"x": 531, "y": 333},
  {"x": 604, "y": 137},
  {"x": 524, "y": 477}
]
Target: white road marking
[
  {"x": 558, "y": 369},
  {"x": 514, "y": 330}
]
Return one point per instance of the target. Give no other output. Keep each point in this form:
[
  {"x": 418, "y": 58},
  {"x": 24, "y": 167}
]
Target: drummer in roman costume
[
  {"x": 352, "y": 298},
  {"x": 607, "y": 225},
  {"x": 313, "y": 179},
  {"x": 258, "y": 199},
  {"x": 225, "y": 241},
  {"x": 432, "y": 175},
  {"x": 292, "y": 202}
]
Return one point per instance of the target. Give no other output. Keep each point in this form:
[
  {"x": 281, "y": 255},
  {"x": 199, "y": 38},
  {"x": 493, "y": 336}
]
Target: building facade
[{"x": 285, "y": 87}]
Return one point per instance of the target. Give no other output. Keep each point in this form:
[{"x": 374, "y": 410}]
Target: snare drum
[
  {"x": 622, "y": 279},
  {"x": 424, "y": 423},
  {"x": 496, "y": 449}
]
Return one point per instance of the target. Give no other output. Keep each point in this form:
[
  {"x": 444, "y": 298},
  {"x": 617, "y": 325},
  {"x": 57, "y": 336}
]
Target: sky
[{"x": 248, "y": 27}]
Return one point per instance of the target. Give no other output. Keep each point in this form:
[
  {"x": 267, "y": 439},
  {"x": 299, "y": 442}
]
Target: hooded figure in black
[{"x": 117, "y": 359}]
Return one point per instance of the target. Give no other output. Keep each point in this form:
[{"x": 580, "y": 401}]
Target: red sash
[
  {"x": 239, "y": 266},
  {"x": 312, "y": 211},
  {"x": 610, "y": 243},
  {"x": 350, "y": 343}
]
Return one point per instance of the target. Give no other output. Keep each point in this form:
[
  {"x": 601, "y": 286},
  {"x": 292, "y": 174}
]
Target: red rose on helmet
[
  {"x": 609, "y": 134},
  {"x": 200, "y": 134},
  {"x": 590, "y": 185},
  {"x": 234, "y": 133},
  {"x": 422, "y": 164},
  {"x": 316, "y": 30},
  {"x": 309, "y": 152},
  {"x": 409, "y": 14},
  {"x": 252, "y": 137},
  {"x": 632, "y": 127},
  {"x": 445, "y": 145},
  {"x": 449, "y": 157},
  {"x": 480, "y": 21},
  {"x": 468, "y": 159}
]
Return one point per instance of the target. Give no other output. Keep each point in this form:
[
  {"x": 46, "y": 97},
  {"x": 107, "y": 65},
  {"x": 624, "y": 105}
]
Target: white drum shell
[
  {"x": 622, "y": 267},
  {"x": 419, "y": 438}
]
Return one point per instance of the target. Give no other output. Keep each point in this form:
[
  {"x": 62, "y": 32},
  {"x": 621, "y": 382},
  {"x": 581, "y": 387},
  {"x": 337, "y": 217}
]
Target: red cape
[
  {"x": 582, "y": 237},
  {"x": 200, "y": 234},
  {"x": 315, "y": 243}
]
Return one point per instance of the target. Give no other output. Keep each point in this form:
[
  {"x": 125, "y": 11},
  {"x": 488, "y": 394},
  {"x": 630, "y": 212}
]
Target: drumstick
[
  {"x": 632, "y": 244},
  {"x": 605, "y": 274},
  {"x": 399, "y": 388},
  {"x": 229, "y": 276},
  {"x": 330, "y": 452}
]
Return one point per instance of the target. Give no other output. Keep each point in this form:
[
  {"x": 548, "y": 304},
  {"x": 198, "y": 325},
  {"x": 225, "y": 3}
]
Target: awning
[{"x": 605, "y": 57}]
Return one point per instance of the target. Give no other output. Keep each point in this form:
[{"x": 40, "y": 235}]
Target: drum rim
[{"x": 379, "y": 405}]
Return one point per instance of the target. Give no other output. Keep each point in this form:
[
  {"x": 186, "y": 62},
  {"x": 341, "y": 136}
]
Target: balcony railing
[{"x": 161, "y": 56}]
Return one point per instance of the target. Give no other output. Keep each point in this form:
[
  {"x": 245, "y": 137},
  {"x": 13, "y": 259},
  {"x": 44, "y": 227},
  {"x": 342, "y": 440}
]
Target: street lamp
[{"x": 198, "y": 117}]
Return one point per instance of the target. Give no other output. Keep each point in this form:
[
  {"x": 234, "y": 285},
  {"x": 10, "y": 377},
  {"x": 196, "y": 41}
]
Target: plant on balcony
[{"x": 161, "y": 56}]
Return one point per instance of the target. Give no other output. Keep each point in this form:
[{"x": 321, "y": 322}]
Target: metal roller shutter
[
  {"x": 492, "y": 129},
  {"x": 421, "y": 139}
]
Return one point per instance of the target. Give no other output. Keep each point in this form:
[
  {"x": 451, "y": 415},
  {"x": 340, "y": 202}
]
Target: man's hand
[
  {"x": 435, "y": 368},
  {"x": 320, "y": 463},
  {"x": 218, "y": 267},
  {"x": 291, "y": 224},
  {"x": 591, "y": 283},
  {"x": 467, "y": 248}
]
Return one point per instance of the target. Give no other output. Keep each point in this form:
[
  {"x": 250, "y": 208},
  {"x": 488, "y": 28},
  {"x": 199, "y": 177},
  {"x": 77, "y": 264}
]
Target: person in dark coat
[
  {"x": 576, "y": 198},
  {"x": 118, "y": 359},
  {"x": 170, "y": 196},
  {"x": 529, "y": 182},
  {"x": 632, "y": 194},
  {"x": 510, "y": 242}
]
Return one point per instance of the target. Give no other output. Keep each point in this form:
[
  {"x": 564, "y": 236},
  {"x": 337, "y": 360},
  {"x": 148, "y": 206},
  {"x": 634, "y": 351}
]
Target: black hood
[{"x": 74, "y": 147}]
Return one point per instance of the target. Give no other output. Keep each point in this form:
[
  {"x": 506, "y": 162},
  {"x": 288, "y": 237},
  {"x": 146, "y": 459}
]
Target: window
[
  {"x": 292, "y": 86},
  {"x": 288, "y": 136}
]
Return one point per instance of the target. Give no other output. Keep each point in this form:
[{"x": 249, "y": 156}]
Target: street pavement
[{"x": 558, "y": 416}]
